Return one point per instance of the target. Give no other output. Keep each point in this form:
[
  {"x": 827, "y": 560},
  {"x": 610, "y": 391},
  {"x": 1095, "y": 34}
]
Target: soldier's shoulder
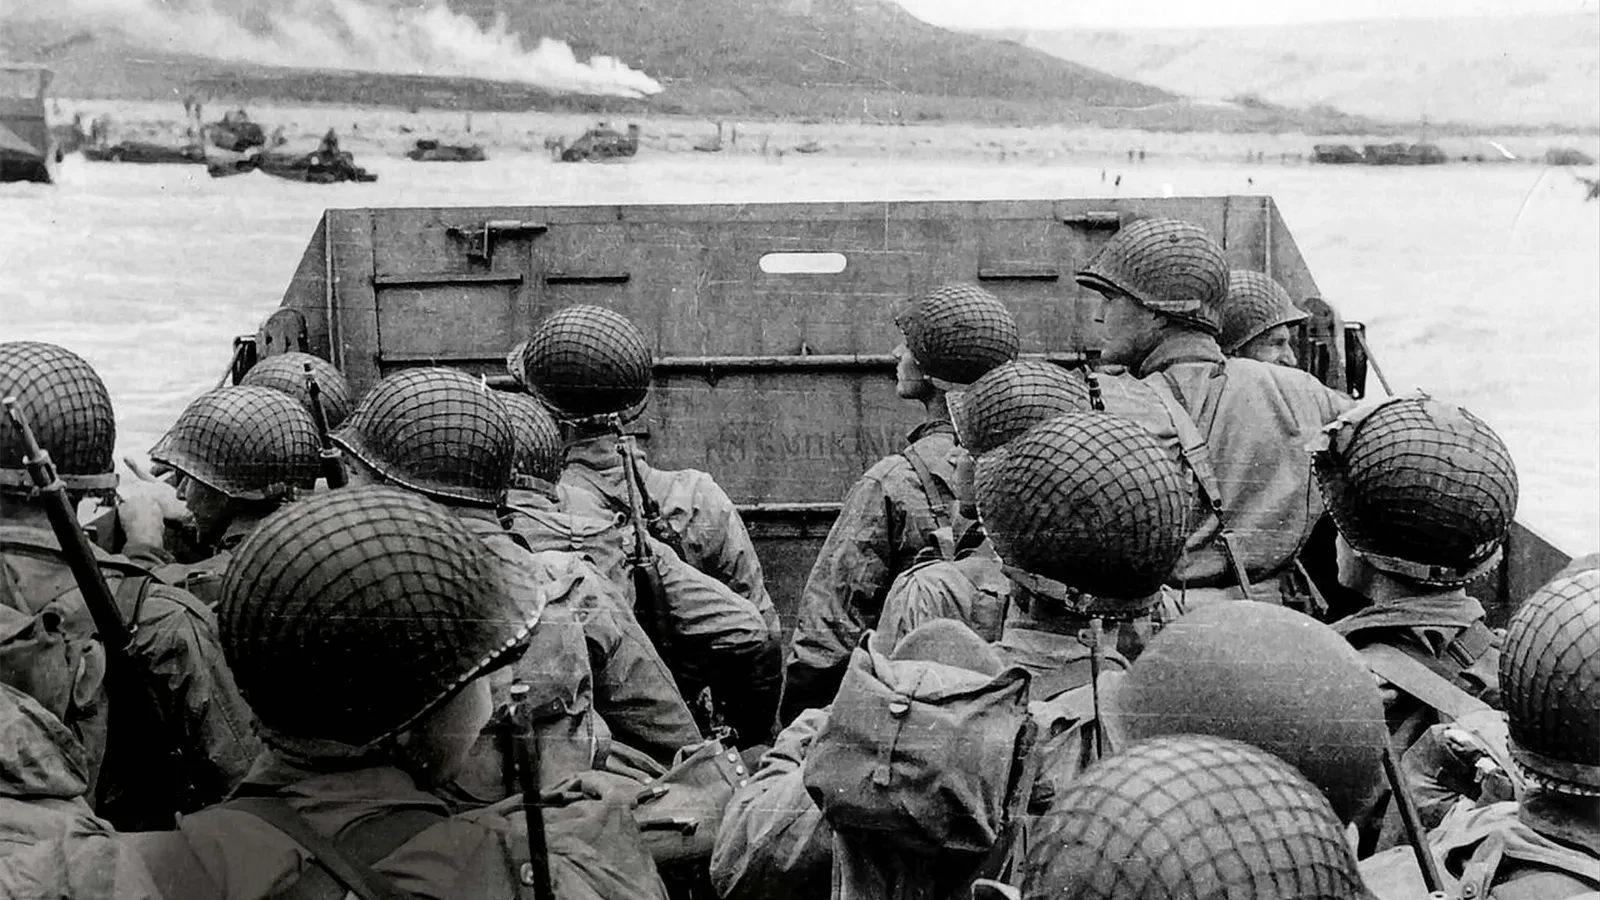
[{"x": 1288, "y": 380}]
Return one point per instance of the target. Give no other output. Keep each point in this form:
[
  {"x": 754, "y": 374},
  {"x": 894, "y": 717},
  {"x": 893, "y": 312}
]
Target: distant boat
[{"x": 147, "y": 153}]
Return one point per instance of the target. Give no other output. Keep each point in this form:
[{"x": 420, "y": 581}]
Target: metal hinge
[{"x": 480, "y": 238}]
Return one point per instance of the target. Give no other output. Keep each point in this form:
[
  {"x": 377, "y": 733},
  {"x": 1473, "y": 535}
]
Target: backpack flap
[{"x": 919, "y": 753}]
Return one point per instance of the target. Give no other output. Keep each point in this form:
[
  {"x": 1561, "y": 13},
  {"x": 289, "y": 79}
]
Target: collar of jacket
[
  {"x": 1181, "y": 347},
  {"x": 1553, "y": 816},
  {"x": 239, "y": 528},
  {"x": 1434, "y": 619},
  {"x": 599, "y": 453},
  {"x": 930, "y": 428}
]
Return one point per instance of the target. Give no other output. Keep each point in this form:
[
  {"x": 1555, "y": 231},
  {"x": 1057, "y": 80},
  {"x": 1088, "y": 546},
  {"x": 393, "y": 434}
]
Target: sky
[{"x": 1044, "y": 14}]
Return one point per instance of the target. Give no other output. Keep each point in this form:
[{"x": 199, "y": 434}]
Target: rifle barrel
[
  {"x": 97, "y": 596},
  {"x": 332, "y": 459}
]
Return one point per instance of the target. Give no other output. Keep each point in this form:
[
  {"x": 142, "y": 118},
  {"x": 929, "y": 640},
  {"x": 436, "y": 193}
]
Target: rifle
[
  {"x": 522, "y": 776},
  {"x": 649, "y": 594},
  {"x": 332, "y": 461},
  {"x": 115, "y": 635}
]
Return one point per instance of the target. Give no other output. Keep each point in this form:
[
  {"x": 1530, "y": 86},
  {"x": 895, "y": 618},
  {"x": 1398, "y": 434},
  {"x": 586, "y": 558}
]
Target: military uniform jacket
[
  {"x": 220, "y": 853},
  {"x": 175, "y": 636},
  {"x": 1255, "y": 420},
  {"x": 51, "y": 845},
  {"x": 888, "y": 517},
  {"x": 715, "y": 540},
  {"x": 203, "y": 578},
  {"x": 971, "y": 589}
]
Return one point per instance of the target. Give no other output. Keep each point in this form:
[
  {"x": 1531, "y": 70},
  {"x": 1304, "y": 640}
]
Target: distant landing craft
[{"x": 1593, "y": 184}]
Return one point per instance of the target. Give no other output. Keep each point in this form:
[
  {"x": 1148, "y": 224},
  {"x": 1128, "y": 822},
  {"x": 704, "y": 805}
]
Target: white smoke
[{"x": 363, "y": 35}]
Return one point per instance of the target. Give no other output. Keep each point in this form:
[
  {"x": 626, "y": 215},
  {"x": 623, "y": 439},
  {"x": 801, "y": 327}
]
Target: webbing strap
[
  {"x": 941, "y": 511},
  {"x": 352, "y": 874},
  {"x": 1415, "y": 678}
]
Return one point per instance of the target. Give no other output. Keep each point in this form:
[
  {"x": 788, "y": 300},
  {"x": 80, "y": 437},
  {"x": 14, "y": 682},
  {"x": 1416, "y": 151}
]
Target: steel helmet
[
  {"x": 435, "y": 430},
  {"x": 1550, "y": 684},
  {"x": 586, "y": 361},
  {"x": 541, "y": 453},
  {"x": 286, "y": 372},
  {"x": 352, "y": 614},
  {"x": 69, "y": 410},
  {"x": 1089, "y": 501},
  {"x": 1192, "y": 817},
  {"x": 1255, "y": 305},
  {"x": 1010, "y": 399},
  {"x": 1271, "y": 677},
  {"x": 958, "y": 332},
  {"x": 1165, "y": 265},
  {"x": 250, "y": 443},
  {"x": 1419, "y": 488}
]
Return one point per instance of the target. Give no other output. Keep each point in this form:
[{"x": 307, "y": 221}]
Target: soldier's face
[
  {"x": 1273, "y": 346},
  {"x": 1131, "y": 330},
  {"x": 909, "y": 381},
  {"x": 207, "y": 506}
]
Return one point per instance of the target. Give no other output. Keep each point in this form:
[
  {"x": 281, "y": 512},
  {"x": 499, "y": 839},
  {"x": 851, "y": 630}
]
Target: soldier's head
[
  {"x": 586, "y": 364},
  {"x": 69, "y": 410},
  {"x": 1191, "y": 816},
  {"x": 286, "y": 372},
  {"x": 1267, "y": 676},
  {"x": 1012, "y": 398},
  {"x": 1156, "y": 276},
  {"x": 1422, "y": 493},
  {"x": 1257, "y": 317},
  {"x": 1086, "y": 511},
  {"x": 541, "y": 452},
  {"x": 242, "y": 451},
  {"x": 1550, "y": 683},
  {"x": 366, "y": 618},
  {"x": 435, "y": 431},
  {"x": 951, "y": 335}
]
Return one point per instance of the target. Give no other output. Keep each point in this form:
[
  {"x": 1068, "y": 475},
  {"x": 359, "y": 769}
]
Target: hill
[
  {"x": 864, "y": 60},
  {"x": 1526, "y": 71}
]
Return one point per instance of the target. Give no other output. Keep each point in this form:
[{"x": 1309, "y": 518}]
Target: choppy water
[{"x": 1478, "y": 283}]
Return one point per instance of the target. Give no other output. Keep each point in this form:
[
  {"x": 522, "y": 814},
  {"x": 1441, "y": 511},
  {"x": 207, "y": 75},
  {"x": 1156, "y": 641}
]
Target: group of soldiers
[{"x": 1075, "y": 640}]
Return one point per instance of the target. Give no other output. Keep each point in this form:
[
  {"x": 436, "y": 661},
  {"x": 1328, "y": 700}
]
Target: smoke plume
[{"x": 363, "y": 35}]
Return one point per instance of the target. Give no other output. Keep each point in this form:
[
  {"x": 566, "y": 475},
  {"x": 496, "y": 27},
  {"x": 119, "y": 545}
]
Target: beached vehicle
[
  {"x": 28, "y": 149},
  {"x": 430, "y": 150},
  {"x": 316, "y": 167},
  {"x": 147, "y": 152},
  {"x": 599, "y": 144},
  {"x": 771, "y": 324}
]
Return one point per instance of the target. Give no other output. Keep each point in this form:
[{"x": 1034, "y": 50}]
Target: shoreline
[{"x": 391, "y": 132}]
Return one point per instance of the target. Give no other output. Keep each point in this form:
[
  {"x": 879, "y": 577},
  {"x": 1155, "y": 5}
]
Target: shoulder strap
[
  {"x": 1415, "y": 678},
  {"x": 930, "y": 490},
  {"x": 355, "y": 875},
  {"x": 1545, "y": 884}
]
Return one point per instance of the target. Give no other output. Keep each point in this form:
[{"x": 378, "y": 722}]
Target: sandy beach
[{"x": 390, "y": 132}]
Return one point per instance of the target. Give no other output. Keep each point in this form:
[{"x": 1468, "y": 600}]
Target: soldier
[
  {"x": 364, "y": 625},
  {"x": 719, "y": 638},
  {"x": 444, "y": 435},
  {"x": 1547, "y": 844},
  {"x": 142, "y": 770},
  {"x": 242, "y": 452},
  {"x": 970, "y": 586},
  {"x": 1267, "y": 676},
  {"x": 1256, "y": 318},
  {"x": 1422, "y": 493},
  {"x": 588, "y": 364},
  {"x": 951, "y": 336},
  {"x": 1237, "y": 423},
  {"x": 1086, "y": 511},
  {"x": 1188, "y": 816},
  {"x": 286, "y": 372}
]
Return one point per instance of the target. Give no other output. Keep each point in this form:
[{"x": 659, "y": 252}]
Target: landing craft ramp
[{"x": 772, "y": 323}]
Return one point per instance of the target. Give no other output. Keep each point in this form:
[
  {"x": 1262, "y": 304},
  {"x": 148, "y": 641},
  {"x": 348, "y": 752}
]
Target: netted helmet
[
  {"x": 351, "y": 614},
  {"x": 1550, "y": 684},
  {"x": 541, "y": 454},
  {"x": 1419, "y": 488},
  {"x": 251, "y": 443},
  {"x": 1012, "y": 398},
  {"x": 69, "y": 410},
  {"x": 586, "y": 361},
  {"x": 1165, "y": 265},
  {"x": 1255, "y": 305},
  {"x": 1191, "y": 817},
  {"x": 434, "y": 430},
  {"x": 958, "y": 332},
  {"x": 1271, "y": 677},
  {"x": 286, "y": 372},
  {"x": 1092, "y": 502}
]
